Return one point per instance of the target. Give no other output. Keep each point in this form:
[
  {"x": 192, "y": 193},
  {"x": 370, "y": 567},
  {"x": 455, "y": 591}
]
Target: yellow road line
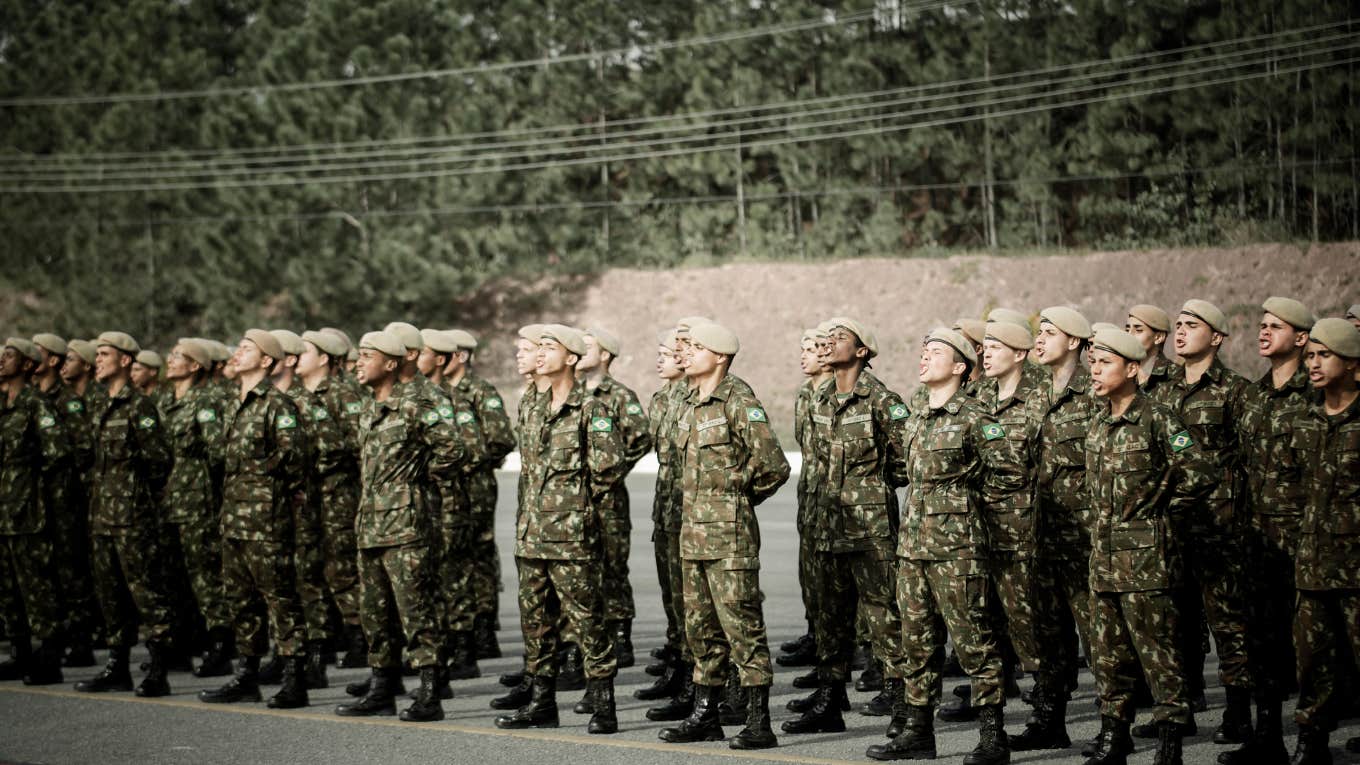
[{"x": 542, "y": 734}]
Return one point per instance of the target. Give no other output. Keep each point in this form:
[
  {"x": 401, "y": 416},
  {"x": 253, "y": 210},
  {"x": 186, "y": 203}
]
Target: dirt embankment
[{"x": 769, "y": 304}]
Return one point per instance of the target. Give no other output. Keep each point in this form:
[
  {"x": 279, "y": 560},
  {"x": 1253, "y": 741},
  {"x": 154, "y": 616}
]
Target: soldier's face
[
  {"x": 179, "y": 366},
  {"x": 700, "y": 361},
  {"x": 311, "y": 361},
  {"x": 810, "y": 361},
  {"x": 457, "y": 360},
  {"x": 844, "y": 348},
  {"x": 142, "y": 374},
  {"x": 1052, "y": 345},
  {"x": 1277, "y": 337},
  {"x": 999, "y": 358},
  {"x": 11, "y": 364},
  {"x": 591, "y": 359},
  {"x": 526, "y": 356},
  {"x": 428, "y": 361},
  {"x": 938, "y": 363},
  {"x": 374, "y": 367},
  {"x": 1150, "y": 338},
  {"x": 1353, "y": 319},
  {"x": 1326, "y": 368},
  {"x": 1110, "y": 372},
  {"x": 667, "y": 364},
  {"x": 107, "y": 361},
  {"x": 552, "y": 358},
  {"x": 248, "y": 357},
  {"x": 74, "y": 368},
  {"x": 1194, "y": 336}
]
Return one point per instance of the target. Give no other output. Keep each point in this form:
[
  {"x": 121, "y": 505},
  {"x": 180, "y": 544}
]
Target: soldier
[
  {"x": 78, "y": 369},
  {"x": 33, "y": 443},
  {"x": 193, "y": 410},
  {"x": 1275, "y": 500},
  {"x": 264, "y": 454},
  {"x": 1141, "y": 461},
  {"x": 733, "y": 462},
  {"x": 952, "y": 468},
  {"x": 857, "y": 442},
  {"x": 1151, "y": 326},
  {"x": 1325, "y": 448},
  {"x": 146, "y": 373},
  {"x": 404, "y": 440},
  {"x": 572, "y": 454},
  {"x": 1353, "y": 315},
  {"x": 1034, "y": 373},
  {"x": 131, "y": 462},
  {"x": 616, "y": 525}
]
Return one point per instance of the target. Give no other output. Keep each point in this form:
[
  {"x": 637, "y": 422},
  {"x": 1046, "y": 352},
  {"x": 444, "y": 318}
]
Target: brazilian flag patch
[
  {"x": 430, "y": 417},
  {"x": 353, "y": 407},
  {"x": 601, "y": 425},
  {"x": 493, "y": 403},
  {"x": 1181, "y": 441},
  {"x": 146, "y": 423},
  {"x": 446, "y": 411},
  {"x": 75, "y": 406},
  {"x": 207, "y": 415},
  {"x": 285, "y": 422},
  {"x": 320, "y": 413},
  {"x": 464, "y": 418},
  {"x": 633, "y": 408},
  {"x": 756, "y": 414},
  {"x": 46, "y": 421},
  {"x": 898, "y": 411},
  {"x": 993, "y": 432}
]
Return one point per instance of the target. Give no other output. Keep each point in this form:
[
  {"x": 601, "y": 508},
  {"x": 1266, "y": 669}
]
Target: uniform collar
[
  {"x": 953, "y": 406},
  {"x": 1131, "y": 415},
  {"x": 720, "y": 393}
]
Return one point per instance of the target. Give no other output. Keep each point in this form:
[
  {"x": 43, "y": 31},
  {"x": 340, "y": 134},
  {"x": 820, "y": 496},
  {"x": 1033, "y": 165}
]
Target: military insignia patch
[
  {"x": 446, "y": 411},
  {"x": 633, "y": 409},
  {"x": 75, "y": 406},
  {"x": 464, "y": 418},
  {"x": 1181, "y": 441},
  {"x": 602, "y": 425},
  {"x": 898, "y": 411},
  {"x": 756, "y": 414},
  {"x": 285, "y": 422},
  {"x": 146, "y": 423},
  {"x": 320, "y": 413},
  {"x": 993, "y": 432},
  {"x": 46, "y": 421},
  {"x": 353, "y": 407},
  {"x": 207, "y": 415},
  {"x": 493, "y": 403},
  {"x": 430, "y": 417}
]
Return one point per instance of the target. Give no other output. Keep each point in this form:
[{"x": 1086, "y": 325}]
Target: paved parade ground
[{"x": 58, "y": 725}]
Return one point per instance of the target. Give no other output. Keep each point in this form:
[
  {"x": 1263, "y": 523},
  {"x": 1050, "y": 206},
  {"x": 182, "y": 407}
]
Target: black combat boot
[
  {"x": 871, "y": 679},
  {"x": 604, "y": 717},
  {"x": 959, "y": 710},
  {"x": 293, "y": 687},
  {"x": 1312, "y": 747},
  {"x": 881, "y": 705},
  {"x": 665, "y": 658},
  {"x": 702, "y": 724},
  {"x": 217, "y": 659},
  {"x": 1236, "y": 725},
  {"x": 360, "y": 687},
  {"x": 314, "y": 661},
  {"x": 1168, "y": 745},
  {"x": 915, "y": 742},
  {"x": 797, "y": 644},
  {"x": 381, "y": 698},
  {"x": 116, "y": 676},
  {"x": 587, "y": 703},
  {"x": 897, "y": 690},
  {"x": 757, "y": 733},
  {"x": 518, "y": 696},
  {"x": 463, "y": 657},
  {"x": 426, "y": 707},
  {"x": 540, "y": 712},
  {"x": 825, "y": 714},
  {"x": 812, "y": 680},
  {"x": 993, "y": 746},
  {"x": 732, "y": 708},
  {"x": 1047, "y": 724},
  {"x": 572, "y": 673},
  {"x": 1113, "y": 743},
  {"x": 667, "y": 685},
  {"x": 45, "y": 669},
  {"x": 80, "y": 653},
  {"x": 356, "y": 648},
  {"x": 512, "y": 678},
  {"x": 681, "y": 705},
  {"x": 155, "y": 683},
  {"x": 623, "y": 642},
  {"x": 271, "y": 672},
  {"x": 1149, "y": 728},
  {"x": 485, "y": 645},
  {"x": 799, "y": 706},
  {"x": 243, "y": 686},
  {"x": 1266, "y": 746},
  {"x": 805, "y": 655}
]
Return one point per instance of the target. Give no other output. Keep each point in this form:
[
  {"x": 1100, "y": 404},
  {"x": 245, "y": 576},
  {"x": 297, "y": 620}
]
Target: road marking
[{"x": 548, "y": 734}]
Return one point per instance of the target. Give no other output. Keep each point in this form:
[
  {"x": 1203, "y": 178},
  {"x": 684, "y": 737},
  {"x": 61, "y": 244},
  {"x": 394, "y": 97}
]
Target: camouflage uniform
[
  {"x": 337, "y": 449},
  {"x": 1215, "y": 577},
  {"x": 498, "y": 440},
  {"x": 407, "y": 445},
  {"x": 1164, "y": 371},
  {"x": 859, "y": 453},
  {"x": 732, "y": 463},
  {"x": 804, "y": 433},
  {"x": 667, "y": 504},
  {"x": 571, "y": 458},
  {"x": 458, "y": 527},
  {"x": 32, "y": 443},
  {"x": 309, "y": 559},
  {"x": 1142, "y": 468},
  {"x": 131, "y": 462},
  {"x": 1327, "y": 566},
  {"x": 615, "y": 522},
  {"x": 953, "y": 471},
  {"x": 264, "y": 454}
]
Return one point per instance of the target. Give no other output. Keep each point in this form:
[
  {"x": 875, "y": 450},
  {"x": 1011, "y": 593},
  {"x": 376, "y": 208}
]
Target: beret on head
[
  {"x": 119, "y": 340},
  {"x": 716, "y": 338},
  {"x": 666, "y": 339},
  {"x": 810, "y": 336},
  {"x": 607, "y": 340},
  {"x": 219, "y": 350},
  {"x": 1011, "y": 335},
  {"x": 267, "y": 343},
  {"x": 82, "y": 348},
  {"x": 1155, "y": 318},
  {"x": 1120, "y": 343},
  {"x": 531, "y": 332},
  {"x": 327, "y": 342},
  {"x": 385, "y": 343},
  {"x": 973, "y": 329},
  {"x": 954, "y": 340},
  {"x": 437, "y": 341},
  {"x": 1353, "y": 312},
  {"x": 866, "y": 337},
  {"x": 26, "y": 348},
  {"x": 150, "y": 359},
  {"x": 51, "y": 343},
  {"x": 408, "y": 334},
  {"x": 1290, "y": 311},
  {"x": 289, "y": 342},
  {"x": 683, "y": 324},
  {"x": 1009, "y": 316},
  {"x": 1100, "y": 326},
  {"x": 196, "y": 350},
  {"x": 1339, "y": 335},
  {"x": 340, "y": 333},
  {"x": 463, "y": 339},
  {"x": 1209, "y": 313},
  {"x": 1069, "y": 320},
  {"x": 569, "y": 337}
]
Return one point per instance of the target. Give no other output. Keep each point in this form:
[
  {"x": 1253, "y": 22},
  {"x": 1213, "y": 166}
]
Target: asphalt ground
[{"x": 57, "y": 725}]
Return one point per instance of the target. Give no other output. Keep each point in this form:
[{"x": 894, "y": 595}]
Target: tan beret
[
  {"x": 1069, "y": 320},
  {"x": 150, "y": 359},
  {"x": 463, "y": 339},
  {"x": 682, "y": 325},
  {"x": 219, "y": 350},
  {"x": 531, "y": 332},
  {"x": 715, "y": 337},
  {"x": 340, "y": 333},
  {"x": 825, "y": 327},
  {"x": 352, "y": 355},
  {"x": 289, "y": 341},
  {"x": 811, "y": 336},
  {"x": 51, "y": 343},
  {"x": 1120, "y": 343},
  {"x": 1290, "y": 311},
  {"x": 666, "y": 339},
  {"x": 866, "y": 337},
  {"x": 571, "y": 338},
  {"x": 1010, "y": 316},
  {"x": 1339, "y": 335},
  {"x": 26, "y": 348},
  {"x": 384, "y": 342},
  {"x": 607, "y": 340},
  {"x": 195, "y": 349},
  {"x": 1209, "y": 313},
  {"x": 1353, "y": 312},
  {"x": 1010, "y": 334},
  {"x": 267, "y": 343},
  {"x": 437, "y": 341},
  {"x": 327, "y": 342},
  {"x": 954, "y": 340},
  {"x": 82, "y": 348},
  {"x": 407, "y": 333},
  {"x": 119, "y": 340},
  {"x": 1153, "y": 317},
  {"x": 1102, "y": 326},
  {"x": 973, "y": 329}
]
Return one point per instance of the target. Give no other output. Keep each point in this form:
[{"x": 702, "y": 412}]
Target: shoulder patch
[
  {"x": 75, "y": 406},
  {"x": 633, "y": 408},
  {"x": 601, "y": 425},
  {"x": 46, "y": 421},
  {"x": 756, "y": 414},
  {"x": 285, "y": 422},
  {"x": 146, "y": 423},
  {"x": 1181, "y": 441},
  {"x": 207, "y": 415},
  {"x": 353, "y": 407},
  {"x": 320, "y": 413},
  {"x": 494, "y": 403},
  {"x": 446, "y": 411},
  {"x": 430, "y": 417},
  {"x": 993, "y": 431},
  {"x": 464, "y": 418},
  {"x": 898, "y": 411}
]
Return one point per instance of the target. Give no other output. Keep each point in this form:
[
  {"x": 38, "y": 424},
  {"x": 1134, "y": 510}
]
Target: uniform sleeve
[
  {"x": 288, "y": 442},
  {"x": 637, "y": 441},
  {"x": 498, "y": 433},
  {"x": 153, "y": 444},
  {"x": 1193, "y": 473},
  {"x": 448, "y": 452},
  {"x": 332, "y": 448},
  {"x": 605, "y": 449},
  {"x": 1004, "y": 461},
  {"x": 212, "y": 429},
  {"x": 468, "y": 428},
  {"x": 53, "y": 439},
  {"x": 891, "y": 416},
  {"x": 345, "y": 406},
  {"x": 766, "y": 466}
]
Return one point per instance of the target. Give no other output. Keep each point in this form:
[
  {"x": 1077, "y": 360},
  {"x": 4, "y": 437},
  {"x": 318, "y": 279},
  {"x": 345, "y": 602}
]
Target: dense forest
[{"x": 201, "y": 165}]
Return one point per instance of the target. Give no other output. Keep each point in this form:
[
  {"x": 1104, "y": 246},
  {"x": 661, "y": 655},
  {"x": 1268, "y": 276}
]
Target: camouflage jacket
[
  {"x": 1064, "y": 508},
  {"x": 498, "y": 440},
  {"x": 337, "y": 450},
  {"x": 631, "y": 422},
  {"x": 1011, "y": 518},
  {"x": 195, "y": 428},
  {"x": 1276, "y": 493},
  {"x": 858, "y": 445},
  {"x": 33, "y": 443},
  {"x": 668, "y": 405},
  {"x": 955, "y": 470},
  {"x": 528, "y": 423},
  {"x": 1142, "y": 468},
  {"x": 1164, "y": 370},
  {"x": 131, "y": 462},
  {"x": 733, "y": 462},
  {"x": 803, "y": 433},
  {"x": 75, "y": 420},
  {"x": 407, "y": 447},
  {"x": 264, "y": 454},
  {"x": 456, "y": 496},
  {"x": 572, "y": 457},
  {"x": 1328, "y": 447}
]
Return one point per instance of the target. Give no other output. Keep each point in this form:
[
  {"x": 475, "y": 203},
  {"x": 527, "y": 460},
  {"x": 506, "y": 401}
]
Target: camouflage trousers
[
  {"x": 1028, "y": 626},
  {"x": 1133, "y": 633},
  {"x": 933, "y": 596},
  {"x": 340, "y": 546},
  {"x": 309, "y": 566},
  {"x": 197, "y": 546},
  {"x": 1213, "y": 588},
  {"x": 725, "y": 621},
  {"x": 807, "y": 575},
  {"x": 455, "y": 578},
  {"x": 1270, "y": 619},
  {"x": 486, "y": 570},
  {"x": 1063, "y": 584},
  {"x": 1326, "y": 634},
  {"x": 179, "y": 593},
  {"x": 399, "y": 604},
  {"x": 553, "y": 591},
  {"x": 260, "y": 582},
  {"x": 848, "y": 584},
  {"x": 29, "y": 601},
  {"x": 670, "y": 573},
  {"x": 617, "y": 529},
  {"x": 70, "y": 536},
  {"x": 125, "y": 569}
]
